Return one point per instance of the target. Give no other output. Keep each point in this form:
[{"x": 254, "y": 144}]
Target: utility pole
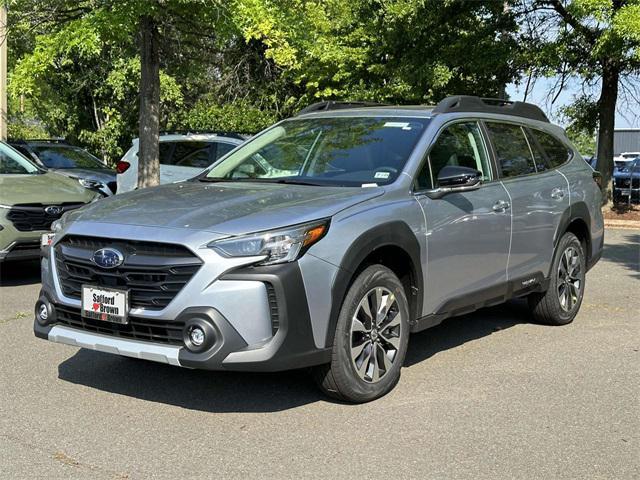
[{"x": 3, "y": 71}]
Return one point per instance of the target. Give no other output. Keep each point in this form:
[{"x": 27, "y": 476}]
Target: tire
[
  {"x": 355, "y": 374},
  {"x": 560, "y": 304}
]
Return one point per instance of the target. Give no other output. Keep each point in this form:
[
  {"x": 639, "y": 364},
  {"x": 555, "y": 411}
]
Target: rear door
[
  {"x": 467, "y": 232},
  {"x": 538, "y": 195}
]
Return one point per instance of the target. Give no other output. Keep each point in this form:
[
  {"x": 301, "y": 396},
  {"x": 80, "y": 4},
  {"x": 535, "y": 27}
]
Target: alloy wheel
[
  {"x": 569, "y": 282},
  {"x": 376, "y": 329}
]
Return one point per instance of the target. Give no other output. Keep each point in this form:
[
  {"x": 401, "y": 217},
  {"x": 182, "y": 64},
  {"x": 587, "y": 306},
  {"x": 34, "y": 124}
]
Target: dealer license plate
[{"x": 106, "y": 304}]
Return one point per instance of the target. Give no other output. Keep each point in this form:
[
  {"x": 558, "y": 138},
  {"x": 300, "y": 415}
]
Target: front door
[{"x": 467, "y": 232}]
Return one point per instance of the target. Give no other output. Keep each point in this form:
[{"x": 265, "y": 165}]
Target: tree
[
  {"x": 409, "y": 51},
  {"x": 595, "y": 41}
]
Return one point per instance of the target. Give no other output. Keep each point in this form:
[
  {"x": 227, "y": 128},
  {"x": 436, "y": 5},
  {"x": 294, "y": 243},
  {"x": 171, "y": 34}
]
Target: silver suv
[{"x": 327, "y": 239}]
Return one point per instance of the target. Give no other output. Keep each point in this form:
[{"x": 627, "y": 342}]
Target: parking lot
[{"x": 487, "y": 395}]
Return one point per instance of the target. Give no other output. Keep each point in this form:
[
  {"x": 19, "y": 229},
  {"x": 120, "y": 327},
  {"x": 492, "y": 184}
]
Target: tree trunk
[
  {"x": 149, "y": 146},
  {"x": 606, "y": 120}
]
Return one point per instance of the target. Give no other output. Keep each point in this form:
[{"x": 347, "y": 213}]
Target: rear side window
[
  {"x": 186, "y": 154},
  {"x": 557, "y": 152},
  {"x": 512, "y": 149},
  {"x": 223, "y": 149}
]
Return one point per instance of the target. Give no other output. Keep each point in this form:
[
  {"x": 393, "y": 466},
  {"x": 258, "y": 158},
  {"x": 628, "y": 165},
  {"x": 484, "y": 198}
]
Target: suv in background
[
  {"x": 30, "y": 199},
  {"x": 58, "y": 156},
  {"x": 182, "y": 156},
  {"x": 327, "y": 239},
  {"x": 621, "y": 161},
  {"x": 626, "y": 182}
]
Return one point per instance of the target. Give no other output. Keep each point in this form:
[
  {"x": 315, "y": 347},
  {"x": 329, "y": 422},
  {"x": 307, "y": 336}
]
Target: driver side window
[{"x": 460, "y": 144}]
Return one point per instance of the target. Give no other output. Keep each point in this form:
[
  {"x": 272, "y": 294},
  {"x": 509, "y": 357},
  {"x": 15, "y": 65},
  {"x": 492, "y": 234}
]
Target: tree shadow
[
  {"x": 626, "y": 254},
  {"x": 16, "y": 273},
  {"x": 258, "y": 392}
]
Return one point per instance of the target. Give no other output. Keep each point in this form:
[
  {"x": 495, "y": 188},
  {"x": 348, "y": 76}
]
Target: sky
[{"x": 627, "y": 116}]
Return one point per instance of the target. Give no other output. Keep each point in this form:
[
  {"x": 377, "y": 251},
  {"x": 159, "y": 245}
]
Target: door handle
[
  {"x": 557, "y": 193},
  {"x": 500, "y": 206}
]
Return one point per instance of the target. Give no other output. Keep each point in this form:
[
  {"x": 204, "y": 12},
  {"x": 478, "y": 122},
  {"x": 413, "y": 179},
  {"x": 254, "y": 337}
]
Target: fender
[
  {"x": 397, "y": 234},
  {"x": 576, "y": 211}
]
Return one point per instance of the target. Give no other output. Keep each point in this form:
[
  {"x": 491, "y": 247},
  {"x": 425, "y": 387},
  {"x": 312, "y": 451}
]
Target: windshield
[
  {"x": 342, "y": 151},
  {"x": 66, "y": 156},
  {"x": 11, "y": 162}
]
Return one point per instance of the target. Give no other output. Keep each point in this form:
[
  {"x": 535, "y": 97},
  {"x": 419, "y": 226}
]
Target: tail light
[
  {"x": 597, "y": 177},
  {"x": 122, "y": 166}
]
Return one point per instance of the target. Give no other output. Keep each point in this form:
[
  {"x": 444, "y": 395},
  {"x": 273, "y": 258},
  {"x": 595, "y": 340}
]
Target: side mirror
[{"x": 456, "y": 179}]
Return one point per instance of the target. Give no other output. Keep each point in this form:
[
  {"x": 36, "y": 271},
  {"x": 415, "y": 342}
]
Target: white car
[
  {"x": 624, "y": 158},
  {"x": 182, "y": 156}
]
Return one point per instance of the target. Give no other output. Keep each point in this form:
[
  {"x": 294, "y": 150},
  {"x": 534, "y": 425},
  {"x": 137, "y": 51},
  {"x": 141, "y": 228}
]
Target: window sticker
[
  {"x": 382, "y": 175},
  {"x": 402, "y": 125}
]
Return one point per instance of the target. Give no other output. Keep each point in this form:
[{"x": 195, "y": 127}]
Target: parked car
[
  {"x": 382, "y": 221},
  {"x": 626, "y": 182},
  {"x": 182, "y": 156},
  {"x": 58, "y": 156},
  {"x": 591, "y": 160},
  {"x": 30, "y": 199},
  {"x": 623, "y": 159}
]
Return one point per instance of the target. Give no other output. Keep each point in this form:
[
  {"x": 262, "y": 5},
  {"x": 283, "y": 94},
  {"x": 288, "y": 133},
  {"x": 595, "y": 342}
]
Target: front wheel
[
  {"x": 371, "y": 338},
  {"x": 559, "y": 305}
]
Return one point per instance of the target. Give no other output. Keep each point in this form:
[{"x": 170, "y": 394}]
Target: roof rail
[
  {"x": 468, "y": 103},
  {"x": 237, "y": 135},
  {"x": 29, "y": 140},
  {"x": 337, "y": 105}
]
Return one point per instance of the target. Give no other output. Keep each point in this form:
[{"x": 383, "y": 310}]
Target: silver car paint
[{"x": 452, "y": 234}]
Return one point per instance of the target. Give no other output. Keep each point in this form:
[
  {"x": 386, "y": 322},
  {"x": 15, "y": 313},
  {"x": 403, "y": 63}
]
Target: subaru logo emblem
[
  {"x": 107, "y": 258},
  {"x": 53, "y": 210}
]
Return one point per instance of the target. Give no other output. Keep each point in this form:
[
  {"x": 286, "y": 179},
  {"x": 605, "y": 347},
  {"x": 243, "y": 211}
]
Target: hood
[
  {"x": 225, "y": 208},
  {"x": 101, "y": 175},
  {"x": 48, "y": 188}
]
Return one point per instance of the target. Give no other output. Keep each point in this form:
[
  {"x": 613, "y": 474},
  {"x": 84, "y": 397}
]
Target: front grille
[
  {"x": 138, "y": 328},
  {"x": 29, "y": 217},
  {"x": 623, "y": 182},
  {"x": 154, "y": 273},
  {"x": 26, "y": 246},
  {"x": 273, "y": 308}
]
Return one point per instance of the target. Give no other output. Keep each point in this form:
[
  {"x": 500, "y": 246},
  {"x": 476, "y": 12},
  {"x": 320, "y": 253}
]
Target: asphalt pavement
[{"x": 487, "y": 395}]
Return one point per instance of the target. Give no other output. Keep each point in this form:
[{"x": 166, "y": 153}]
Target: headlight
[
  {"x": 56, "y": 225},
  {"x": 277, "y": 246},
  {"x": 91, "y": 184}
]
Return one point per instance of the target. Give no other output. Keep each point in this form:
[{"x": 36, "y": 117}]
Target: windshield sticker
[
  {"x": 402, "y": 125},
  {"x": 384, "y": 175}
]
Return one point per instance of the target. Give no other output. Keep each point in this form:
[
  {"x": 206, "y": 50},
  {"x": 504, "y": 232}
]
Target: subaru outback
[{"x": 329, "y": 238}]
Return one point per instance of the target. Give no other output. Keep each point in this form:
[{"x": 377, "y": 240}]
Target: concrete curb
[{"x": 630, "y": 224}]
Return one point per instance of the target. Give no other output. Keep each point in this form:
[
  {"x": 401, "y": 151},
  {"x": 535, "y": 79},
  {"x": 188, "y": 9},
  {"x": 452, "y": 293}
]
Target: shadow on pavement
[
  {"x": 258, "y": 392},
  {"x": 626, "y": 254},
  {"x": 13, "y": 274},
  {"x": 456, "y": 331}
]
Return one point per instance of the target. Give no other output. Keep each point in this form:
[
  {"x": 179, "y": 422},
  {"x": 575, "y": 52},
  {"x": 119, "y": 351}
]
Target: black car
[
  {"x": 69, "y": 160},
  {"x": 626, "y": 182}
]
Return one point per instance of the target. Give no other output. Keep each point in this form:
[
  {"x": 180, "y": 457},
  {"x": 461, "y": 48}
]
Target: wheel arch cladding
[
  {"x": 576, "y": 219},
  {"x": 392, "y": 244}
]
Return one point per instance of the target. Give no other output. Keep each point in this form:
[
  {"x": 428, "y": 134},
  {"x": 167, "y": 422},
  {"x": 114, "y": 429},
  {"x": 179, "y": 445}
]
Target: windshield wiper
[{"x": 297, "y": 182}]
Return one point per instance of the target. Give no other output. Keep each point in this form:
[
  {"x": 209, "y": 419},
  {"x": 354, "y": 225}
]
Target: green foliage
[
  {"x": 230, "y": 117},
  {"x": 243, "y": 64}
]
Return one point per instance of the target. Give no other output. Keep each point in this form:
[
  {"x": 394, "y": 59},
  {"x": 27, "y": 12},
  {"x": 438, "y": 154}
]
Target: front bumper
[
  {"x": 17, "y": 245},
  {"x": 290, "y": 346}
]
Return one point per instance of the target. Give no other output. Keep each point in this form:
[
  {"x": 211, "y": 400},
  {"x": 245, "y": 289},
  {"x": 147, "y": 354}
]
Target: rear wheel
[
  {"x": 560, "y": 303},
  {"x": 371, "y": 339}
]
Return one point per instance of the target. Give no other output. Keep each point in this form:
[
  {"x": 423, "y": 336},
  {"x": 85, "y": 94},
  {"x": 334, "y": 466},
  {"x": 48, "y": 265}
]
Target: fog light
[
  {"x": 196, "y": 335},
  {"x": 43, "y": 313}
]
